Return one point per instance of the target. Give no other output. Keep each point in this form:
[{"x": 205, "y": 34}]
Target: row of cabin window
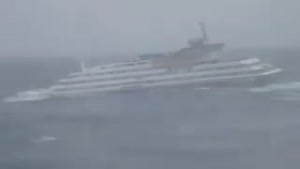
[
  {"x": 112, "y": 72},
  {"x": 88, "y": 81},
  {"x": 123, "y": 71},
  {"x": 146, "y": 81},
  {"x": 122, "y": 65},
  {"x": 111, "y": 78},
  {"x": 223, "y": 67}
]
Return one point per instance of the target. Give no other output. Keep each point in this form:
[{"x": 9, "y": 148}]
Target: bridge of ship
[{"x": 184, "y": 58}]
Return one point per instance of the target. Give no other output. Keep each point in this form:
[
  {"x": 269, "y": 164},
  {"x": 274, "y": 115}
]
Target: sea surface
[{"x": 254, "y": 128}]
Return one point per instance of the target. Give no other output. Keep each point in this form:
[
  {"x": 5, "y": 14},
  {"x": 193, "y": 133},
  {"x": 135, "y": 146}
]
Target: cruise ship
[{"x": 197, "y": 65}]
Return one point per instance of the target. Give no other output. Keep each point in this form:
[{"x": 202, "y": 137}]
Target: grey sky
[{"x": 99, "y": 27}]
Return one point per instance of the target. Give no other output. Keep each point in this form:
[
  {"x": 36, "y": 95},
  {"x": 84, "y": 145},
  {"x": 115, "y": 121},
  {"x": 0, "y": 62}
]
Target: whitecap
[
  {"x": 30, "y": 95},
  {"x": 44, "y": 139},
  {"x": 283, "y": 87}
]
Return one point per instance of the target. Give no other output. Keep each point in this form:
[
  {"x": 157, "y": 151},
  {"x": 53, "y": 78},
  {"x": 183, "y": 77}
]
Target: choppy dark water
[{"x": 213, "y": 129}]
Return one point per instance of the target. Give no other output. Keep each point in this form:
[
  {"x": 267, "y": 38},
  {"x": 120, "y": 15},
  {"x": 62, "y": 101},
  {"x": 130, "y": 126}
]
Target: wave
[
  {"x": 30, "y": 95},
  {"x": 44, "y": 139},
  {"x": 289, "y": 92},
  {"x": 283, "y": 87}
]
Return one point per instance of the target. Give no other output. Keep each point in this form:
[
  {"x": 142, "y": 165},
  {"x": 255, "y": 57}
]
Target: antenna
[
  {"x": 82, "y": 64},
  {"x": 203, "y": 29}
]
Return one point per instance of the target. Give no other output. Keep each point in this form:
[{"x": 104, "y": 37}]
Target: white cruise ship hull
[
  {"x": 143, "y": 75},
  {"x": 241, "y": 73}
]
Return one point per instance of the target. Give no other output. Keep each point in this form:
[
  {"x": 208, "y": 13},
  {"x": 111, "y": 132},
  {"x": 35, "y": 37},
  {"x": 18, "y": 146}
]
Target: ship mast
[
  {"x": 82, "y": 65},
  {"x": 204, "y": 34}
]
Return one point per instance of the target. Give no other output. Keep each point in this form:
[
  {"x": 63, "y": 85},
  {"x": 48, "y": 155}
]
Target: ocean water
[{"x": 171, "y": 129}]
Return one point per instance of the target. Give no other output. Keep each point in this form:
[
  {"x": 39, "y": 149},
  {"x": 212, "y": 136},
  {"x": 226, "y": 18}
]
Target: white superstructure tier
[{"x": 143, "y": 74}]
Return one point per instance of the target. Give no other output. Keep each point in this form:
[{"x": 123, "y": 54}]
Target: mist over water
[
  {"x": 157, "y": 129},
  {"x": 43, "y": 41},
  {"x": 101, "y": 28}
]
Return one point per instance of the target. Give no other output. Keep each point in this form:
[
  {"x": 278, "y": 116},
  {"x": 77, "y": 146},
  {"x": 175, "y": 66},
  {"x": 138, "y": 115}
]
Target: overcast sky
[{"x": 100, "y": 27}]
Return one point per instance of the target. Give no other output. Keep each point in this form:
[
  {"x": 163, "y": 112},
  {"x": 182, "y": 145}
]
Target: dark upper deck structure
[{"x": 197, "y": 51}]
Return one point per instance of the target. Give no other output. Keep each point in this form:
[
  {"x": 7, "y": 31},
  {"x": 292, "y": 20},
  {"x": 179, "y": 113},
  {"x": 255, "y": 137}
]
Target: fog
[
  {"x": 249, "y": 121},
  {"x": 107, "y": 27}
]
